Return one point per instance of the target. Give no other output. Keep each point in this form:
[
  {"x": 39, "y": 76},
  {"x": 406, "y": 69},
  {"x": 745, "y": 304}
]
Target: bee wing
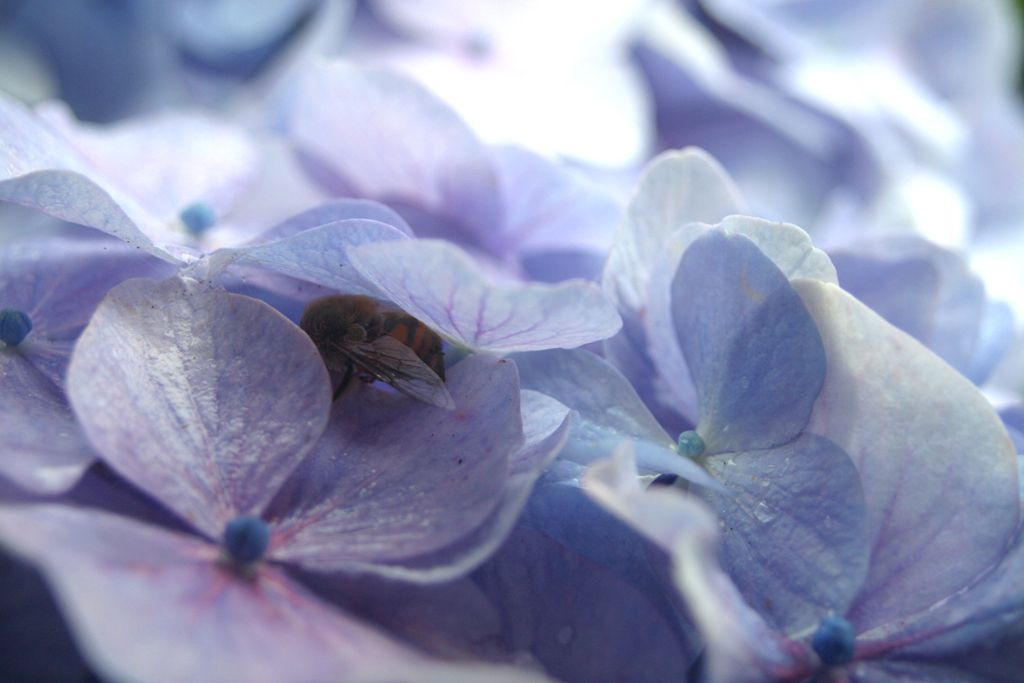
[{"x": 391, "y": 361}]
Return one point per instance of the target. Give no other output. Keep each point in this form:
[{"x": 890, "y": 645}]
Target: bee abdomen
[{"x": 418, "y": 337}]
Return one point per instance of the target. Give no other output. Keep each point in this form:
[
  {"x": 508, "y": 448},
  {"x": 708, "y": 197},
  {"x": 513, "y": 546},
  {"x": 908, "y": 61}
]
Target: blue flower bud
[
  {"x": 246, "y": 538},
  {"x": 834, "y": 641},
  {"x": 198, "y": 217},
  {"x": 14, "y": 326},
  {"x": 691, "y": 445}
]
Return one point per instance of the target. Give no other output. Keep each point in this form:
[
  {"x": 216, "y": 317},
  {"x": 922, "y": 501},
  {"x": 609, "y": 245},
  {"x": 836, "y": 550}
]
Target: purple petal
[
  {"x": 438, "y": 283},
  {"x": 75, "y": 198},
  {"x": 204, "y": 399},
  {"x": 740, "y": 647},
  {"x": 452, "y": 619},
  {"x": 756, "y": 358},
  {"x": 787, "y": 246},
  {"x": 165, "y": 162},
  {"x": 332, "y": 212},
  {"x": 995, "y": 336},
  {"x": 591, "y": 386},
  {"x": 794, "y": 535},
  {"x": 44, "y": 449},
  {"x": 546, "y": 426},
  {"x": 35, "y": 644},
  {"x": 375, "y": 134},
  {"x": 677, "y": 188},
  {"x": 549, "y": 208},
  {"x": 919, "y": 433},
  {"x": 974, "y": 618},
  {"x": 561, "y": 511},
  {"x": 42, "y": 171},
  {"x": 148, "y": 604},
  {"x": 926, "y": 291},
  {"x": 58, "y": 283},
  {"x": 319, "y": 255},
  {"x": 393, "y": 478},
  {"x": 578, "y": 619},
  {"x": 610, "y": 411}
]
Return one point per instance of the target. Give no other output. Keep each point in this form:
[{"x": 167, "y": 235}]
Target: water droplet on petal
[
  {"x": 14, "y": 326},
  {"x": 764, "y": 513}
]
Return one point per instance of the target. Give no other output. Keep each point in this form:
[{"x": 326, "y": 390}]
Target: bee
[{"x": 359, "y": 337}]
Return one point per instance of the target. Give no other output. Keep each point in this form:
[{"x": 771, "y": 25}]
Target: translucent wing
[{"x": 391, "y": 361}]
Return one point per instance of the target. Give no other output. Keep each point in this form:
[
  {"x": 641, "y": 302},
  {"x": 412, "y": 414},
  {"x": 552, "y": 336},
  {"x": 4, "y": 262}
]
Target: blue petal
[
  {"x": 795, "y": 533},
  {"x": 578, "y": 619},
  {"x": 755, "y": 355},
  {"x": 318, "y": 255},
  {"x": 372, "y": 133},
  {"x": 441, "y": 285},
  {"x": 332, "y": 212}
]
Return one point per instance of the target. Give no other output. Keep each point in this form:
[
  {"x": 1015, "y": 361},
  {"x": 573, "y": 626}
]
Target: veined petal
[
  {"x": 39, "y": 169},
  {"x": 332, "y": 212},
  {"x": 44, "y": 449},
  {"x": 740, "y": 647},
  {"x": 150, "y": 604},
  {"x": 375, "y": 134},
  {"x": 206, "y": 400},
  {"x": 393, "y": 478},
  {"x": 166, "y": 162},
  {"x": 610, "y": 411},
  {"x": 918, "y": 432},
  {"x": 320, "y": 255},
  {"x": 58, "y": 283},
  {"x": 546, "y": 424},
  {"x": 438, "y": 283},
  {"x": 580, "y": 620},
  {"x": 794, "y": 529},
  {"x": 678, "y": 187}
]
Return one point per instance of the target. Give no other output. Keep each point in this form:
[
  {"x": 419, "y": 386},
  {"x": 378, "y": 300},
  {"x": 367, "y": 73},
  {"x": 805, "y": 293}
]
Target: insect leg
[{"x": 345, "y": 381}]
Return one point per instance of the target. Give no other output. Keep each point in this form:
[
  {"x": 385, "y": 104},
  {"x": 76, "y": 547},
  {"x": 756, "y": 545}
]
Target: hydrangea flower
[
  {"x": 371, "y": 133},
  {"x": 214, "y": 405},
  {"x": 929, "y": 293},
  {"x": 938, "y": 591},
  {"x": 43, "y": 166}
]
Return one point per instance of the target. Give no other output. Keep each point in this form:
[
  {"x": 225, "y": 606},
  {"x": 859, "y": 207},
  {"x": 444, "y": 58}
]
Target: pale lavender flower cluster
[{"x": 679, "y": 442}]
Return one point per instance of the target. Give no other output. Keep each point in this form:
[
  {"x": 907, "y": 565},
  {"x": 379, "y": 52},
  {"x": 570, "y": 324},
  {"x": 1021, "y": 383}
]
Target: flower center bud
[
  {"x": 198, "y": 217},
  {"x": 834, "y": 641},
  {"x": 691, "y": 445},
  {"x": 14, "y": 326},
  {"x": 246, "y": 538}
]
